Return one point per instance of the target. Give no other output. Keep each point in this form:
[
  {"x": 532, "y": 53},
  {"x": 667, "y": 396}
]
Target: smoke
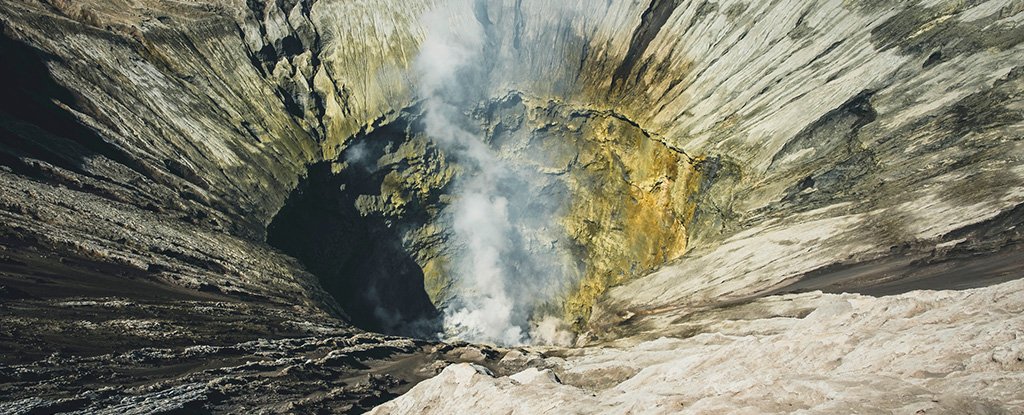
[
  {"x": 552, "y": 331},
  {"x": 358, "y": 154},
  {"x": 508, "y": 259}
]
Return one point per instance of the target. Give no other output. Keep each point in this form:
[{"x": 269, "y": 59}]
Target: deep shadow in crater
[{"x": 359, "y": 259}]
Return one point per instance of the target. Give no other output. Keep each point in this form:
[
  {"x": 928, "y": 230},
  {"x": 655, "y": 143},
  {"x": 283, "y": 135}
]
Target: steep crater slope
[{"x": 151, "y": 149}]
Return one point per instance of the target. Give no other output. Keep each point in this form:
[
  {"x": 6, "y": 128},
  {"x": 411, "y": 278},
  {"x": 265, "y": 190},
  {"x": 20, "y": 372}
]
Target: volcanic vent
[
  {"x": 579, "y": 200},
  {"x": 316, "y": 205}
]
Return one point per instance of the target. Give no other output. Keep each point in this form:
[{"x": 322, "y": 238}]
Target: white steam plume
[{"x": 507, "y": 260}]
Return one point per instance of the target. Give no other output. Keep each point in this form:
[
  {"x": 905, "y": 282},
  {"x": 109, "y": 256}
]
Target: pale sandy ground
[{"x": 923, "y": 352}]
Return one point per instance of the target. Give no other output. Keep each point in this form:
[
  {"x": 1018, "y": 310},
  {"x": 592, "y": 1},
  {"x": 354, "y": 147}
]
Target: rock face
[
  {"x": 395, "y": 185},
  {"x": 182, "y": 179}
]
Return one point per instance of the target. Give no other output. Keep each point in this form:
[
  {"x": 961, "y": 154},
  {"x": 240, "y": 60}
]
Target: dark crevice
[
  {"x": 934, "y": 59},
  {"x": 358, "y": 257},
  {"x": 825, "y": 52},
  {"x": 29, "y": 104},
  {"x": 480, "y": 13},
  {"x": 651, "y": 22},
  {"x": 517, "y": 27},
  {"x": 35, "y": 122},
  {"x": 291, "y": 45}
]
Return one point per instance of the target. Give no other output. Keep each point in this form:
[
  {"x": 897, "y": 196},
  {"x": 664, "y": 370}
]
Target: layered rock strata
[{"x": 714, "y": 153}]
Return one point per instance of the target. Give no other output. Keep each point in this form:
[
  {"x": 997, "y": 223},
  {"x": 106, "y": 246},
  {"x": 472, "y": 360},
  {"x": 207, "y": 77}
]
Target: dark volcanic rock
[{"x": 716, "y": 153}]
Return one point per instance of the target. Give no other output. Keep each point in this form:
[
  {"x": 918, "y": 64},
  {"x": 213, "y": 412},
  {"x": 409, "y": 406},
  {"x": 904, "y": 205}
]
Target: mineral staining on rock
[
  {"x": 618, "y": 201},
  {"x": 715, "y": 156}
]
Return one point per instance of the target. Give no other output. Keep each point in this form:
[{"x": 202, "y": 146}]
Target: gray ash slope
[{"x": 146, "y": 146}]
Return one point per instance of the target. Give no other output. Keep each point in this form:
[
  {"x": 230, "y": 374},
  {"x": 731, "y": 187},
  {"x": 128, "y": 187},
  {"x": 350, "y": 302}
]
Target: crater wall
[{"x": 842, "y": 130}]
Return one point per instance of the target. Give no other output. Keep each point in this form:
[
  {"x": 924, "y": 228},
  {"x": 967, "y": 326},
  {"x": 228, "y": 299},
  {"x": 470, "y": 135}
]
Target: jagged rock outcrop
[{"x": 713, "y": 153}]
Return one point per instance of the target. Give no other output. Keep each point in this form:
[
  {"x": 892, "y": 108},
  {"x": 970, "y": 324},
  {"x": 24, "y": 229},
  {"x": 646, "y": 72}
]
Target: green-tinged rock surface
[{"x": 201, "y": 201}]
